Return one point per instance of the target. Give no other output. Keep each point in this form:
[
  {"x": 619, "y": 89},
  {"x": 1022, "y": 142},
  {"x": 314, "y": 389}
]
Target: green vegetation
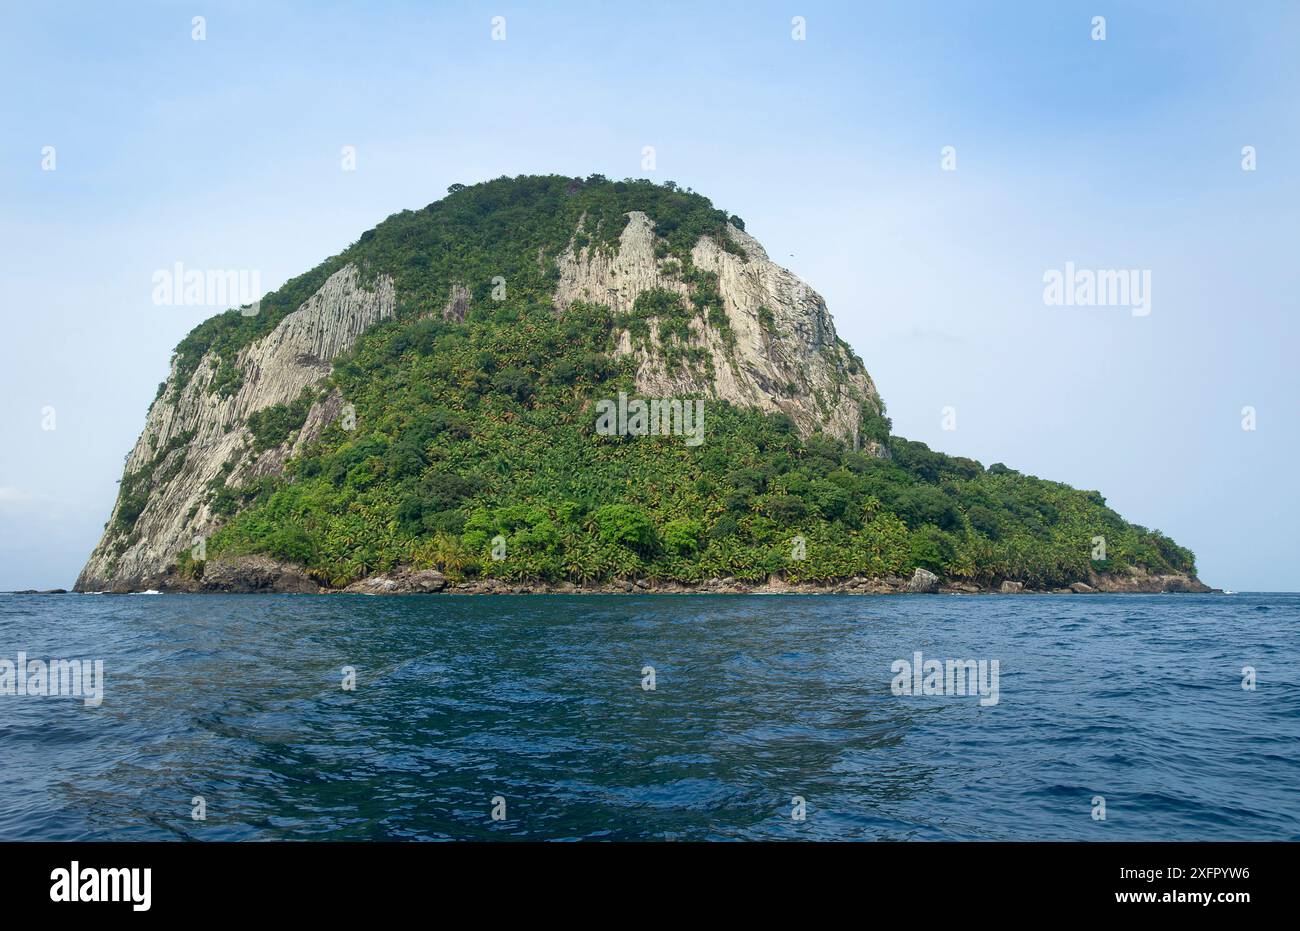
[
  {"x": 470, "y": 431},
  {"x": 271, "y": 426}
]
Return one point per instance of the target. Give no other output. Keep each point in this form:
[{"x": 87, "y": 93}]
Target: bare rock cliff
[
  {"x": 777, "y": 350},
  {"x": 193, "y": 435}
]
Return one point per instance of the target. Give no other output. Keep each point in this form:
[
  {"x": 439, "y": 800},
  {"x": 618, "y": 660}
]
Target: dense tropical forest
[{"x": 475, "y": 440}]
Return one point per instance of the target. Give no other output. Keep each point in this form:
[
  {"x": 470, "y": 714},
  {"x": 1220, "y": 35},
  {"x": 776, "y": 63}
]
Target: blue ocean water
[{"x": 539, "y": 700}]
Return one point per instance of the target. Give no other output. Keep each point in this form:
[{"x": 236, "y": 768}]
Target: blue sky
[{"x": 1123, "y": 153}]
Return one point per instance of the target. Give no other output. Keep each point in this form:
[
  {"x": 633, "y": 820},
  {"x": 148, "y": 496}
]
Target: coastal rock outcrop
[
  {"x": 421, "y": 582},
  {"x": 1140, "y": 581},
  {"x": 252, "y": 574},
  {"x": 923, "y": 582}
]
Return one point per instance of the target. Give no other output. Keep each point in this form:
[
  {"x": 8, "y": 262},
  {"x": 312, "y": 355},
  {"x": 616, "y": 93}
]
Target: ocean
[{"x": 1087, "y": 717}]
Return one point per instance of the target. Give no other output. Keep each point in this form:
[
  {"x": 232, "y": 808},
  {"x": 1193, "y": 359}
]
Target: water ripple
[{"x": 758, "y": 702}]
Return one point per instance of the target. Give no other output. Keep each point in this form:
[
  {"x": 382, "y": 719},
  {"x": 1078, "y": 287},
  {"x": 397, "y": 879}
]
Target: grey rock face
[
  {"x": 923, "y": 582},
  {"x": 1012, "y": 588},
  {"x": 457, "y": 304},
  {"x": 785, "y": 355}
]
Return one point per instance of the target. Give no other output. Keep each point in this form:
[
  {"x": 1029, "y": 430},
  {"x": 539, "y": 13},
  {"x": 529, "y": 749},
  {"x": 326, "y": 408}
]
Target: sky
[{"x": 1115, "y": 153}]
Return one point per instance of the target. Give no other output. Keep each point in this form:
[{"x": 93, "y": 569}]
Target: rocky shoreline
[{"x": 261, "y": 575}]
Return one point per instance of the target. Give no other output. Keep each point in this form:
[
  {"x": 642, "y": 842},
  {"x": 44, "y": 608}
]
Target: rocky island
[{"x": 419, "y": 414}]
